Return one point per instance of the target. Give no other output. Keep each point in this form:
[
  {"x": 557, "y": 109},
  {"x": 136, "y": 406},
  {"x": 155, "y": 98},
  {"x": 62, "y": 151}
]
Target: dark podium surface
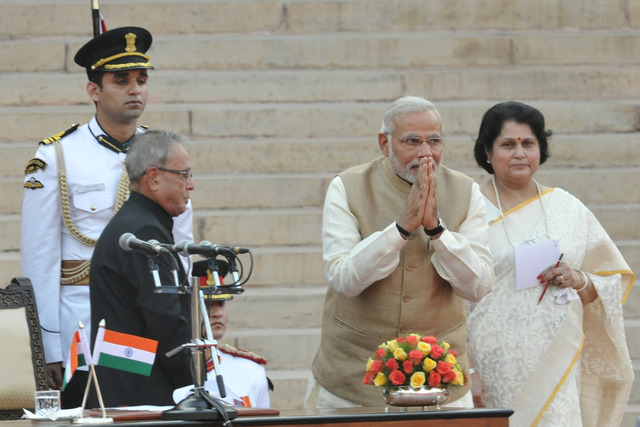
[{"x": 347, "y": 417}]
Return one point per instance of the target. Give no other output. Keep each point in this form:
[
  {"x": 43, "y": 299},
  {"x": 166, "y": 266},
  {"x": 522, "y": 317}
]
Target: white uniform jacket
[{"x": 93, "y": 171}]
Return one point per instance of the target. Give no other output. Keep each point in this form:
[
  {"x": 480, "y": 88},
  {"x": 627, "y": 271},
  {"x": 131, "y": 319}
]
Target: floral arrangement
[{"x": 414, "y": 361}]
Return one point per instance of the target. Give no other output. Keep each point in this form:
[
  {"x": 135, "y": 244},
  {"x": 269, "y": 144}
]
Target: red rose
[
  {"x": 412, "y": 340},
  {"x": 376, "y": 366},
  {"x": 416, "y": 356},
  {"x": 449, "y": 376},
  {"x": 455, "y": 353},
  {"x": 401, "y": 339},
  {"x": 429, "y": 340},
  {"x": 396, "y": 377},
  {"x": 407, "y": 367},
  {"x": 443, "y": 367},
  {"x": 392, "y": 364},
  {"x": 368, "y": 378},
  {"x": 436, "y": 351},
  {"x": 434, "y": 379},
  {"x": 381, "y": 352}
]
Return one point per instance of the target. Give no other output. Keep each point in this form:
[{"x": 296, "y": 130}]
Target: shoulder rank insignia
[
  {"x": 60, "y": 135},
  {"x": 33, "y": 184},
  {"x": 33, "y": 165},
  {"x": 145, "y": 127},
  {"x": 242, "y": 353}
]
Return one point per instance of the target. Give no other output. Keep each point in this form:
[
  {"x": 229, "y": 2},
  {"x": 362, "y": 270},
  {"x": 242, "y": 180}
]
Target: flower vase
[{"x": 408, "y": 396}]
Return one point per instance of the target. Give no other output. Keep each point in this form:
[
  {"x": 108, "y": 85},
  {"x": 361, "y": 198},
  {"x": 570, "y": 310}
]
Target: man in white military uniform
[
  {"x": 244, "y": 376},
  {"x": 73, "y": 187}
]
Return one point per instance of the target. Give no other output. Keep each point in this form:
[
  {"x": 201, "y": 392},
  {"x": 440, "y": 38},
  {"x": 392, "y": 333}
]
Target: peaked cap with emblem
[{"x": 115, "y": 50}]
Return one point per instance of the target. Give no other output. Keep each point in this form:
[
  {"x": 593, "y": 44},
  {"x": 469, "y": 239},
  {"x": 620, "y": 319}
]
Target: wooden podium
[
  {"x": 377, "y": 417},
  {"x": 347, "y": 417}
]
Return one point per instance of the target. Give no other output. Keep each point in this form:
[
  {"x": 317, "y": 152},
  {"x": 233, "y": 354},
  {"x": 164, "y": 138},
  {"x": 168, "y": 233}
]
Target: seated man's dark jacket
[{"x": 122, "y": 293}]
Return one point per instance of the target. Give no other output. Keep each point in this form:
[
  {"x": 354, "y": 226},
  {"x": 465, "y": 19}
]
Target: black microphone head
[
  {"x": 200, "y": 268},
  {"x": 124, "y": 241}
]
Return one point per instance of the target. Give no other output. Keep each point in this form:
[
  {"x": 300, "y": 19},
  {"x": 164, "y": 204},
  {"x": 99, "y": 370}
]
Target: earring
[{"x": 488, "y": 161}]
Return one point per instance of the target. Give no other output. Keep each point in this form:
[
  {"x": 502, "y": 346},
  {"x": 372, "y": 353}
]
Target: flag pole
[
  {"x": 95, "y": 18},
  {"x": 95, "y": 381},
  {"x": 91, "y": 360}
]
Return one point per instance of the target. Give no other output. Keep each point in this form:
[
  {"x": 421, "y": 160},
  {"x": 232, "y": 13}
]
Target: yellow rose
[
  {"x": 459, "y": 380},
  {"x": 418, "y": 379},
  {"x": 393, "y": 345},
  {"x": 445, "y": 345},
  {"x": 429, "y": 364},
  {"x": 424, "y": 347},
  {"x": 400, "y": 354},
  {"x": 451, "y": 359},
  {"x": 369, "y": 362},
  {"x": 380, "y": 380}
]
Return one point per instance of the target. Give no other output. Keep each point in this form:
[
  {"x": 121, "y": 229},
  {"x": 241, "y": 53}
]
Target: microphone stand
[
  {"x": 176, "y": 289},
  {"x": 153, "y": 268},
  {"x": 201, "y": 405}
]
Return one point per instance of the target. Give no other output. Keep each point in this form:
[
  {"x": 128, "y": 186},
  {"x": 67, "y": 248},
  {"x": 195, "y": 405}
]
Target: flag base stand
[{"x": 201, "y": 408}]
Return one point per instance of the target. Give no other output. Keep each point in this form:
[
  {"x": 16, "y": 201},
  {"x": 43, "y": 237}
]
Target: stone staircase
[{"x": 278, "y": 96}]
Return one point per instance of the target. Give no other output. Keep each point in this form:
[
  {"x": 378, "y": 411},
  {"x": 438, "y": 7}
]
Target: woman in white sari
[{"x": 560, "y": 359}]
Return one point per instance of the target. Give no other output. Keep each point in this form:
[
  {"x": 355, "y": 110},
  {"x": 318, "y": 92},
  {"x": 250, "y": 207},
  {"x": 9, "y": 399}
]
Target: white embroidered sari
[{"x": 555, "y": 364}]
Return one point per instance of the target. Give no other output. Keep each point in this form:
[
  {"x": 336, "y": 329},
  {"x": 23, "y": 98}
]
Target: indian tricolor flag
[
  {"x": 125, "y": 352},
  {"x": 78, "y": 355}
]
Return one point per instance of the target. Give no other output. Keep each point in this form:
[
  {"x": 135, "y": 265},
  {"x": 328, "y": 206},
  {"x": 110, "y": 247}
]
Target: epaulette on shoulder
[
  {"x": 245, "y": 354},
  {"x": 60, "y": 135},
  {"x": 145, "y": 127}
]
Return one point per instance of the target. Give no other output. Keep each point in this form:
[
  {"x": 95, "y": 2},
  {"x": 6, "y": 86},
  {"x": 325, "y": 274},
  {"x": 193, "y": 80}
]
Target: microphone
[
  {"x": 128, "y": 242},
  {"x": 231, "y": 249},
  {"x": 206, "y": 248},
  {"x": 200, "y": 268},
  {"x": 223, "y": 249}
]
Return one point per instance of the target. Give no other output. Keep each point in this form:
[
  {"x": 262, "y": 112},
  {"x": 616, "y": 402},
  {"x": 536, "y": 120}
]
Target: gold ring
[{"x": 561, "y": 278}]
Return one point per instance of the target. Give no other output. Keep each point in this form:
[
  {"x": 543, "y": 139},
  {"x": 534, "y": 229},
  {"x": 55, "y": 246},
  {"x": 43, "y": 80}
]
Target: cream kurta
[{"x": 524, "y": 351}]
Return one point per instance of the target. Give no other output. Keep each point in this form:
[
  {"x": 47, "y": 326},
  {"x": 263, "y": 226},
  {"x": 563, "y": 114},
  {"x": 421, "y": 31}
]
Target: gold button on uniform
[{"x": 93, "y": 208}]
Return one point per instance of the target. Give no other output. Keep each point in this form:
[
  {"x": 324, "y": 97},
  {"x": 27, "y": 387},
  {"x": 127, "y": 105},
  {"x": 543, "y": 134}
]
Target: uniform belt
[{"x": 74, "y": 273}]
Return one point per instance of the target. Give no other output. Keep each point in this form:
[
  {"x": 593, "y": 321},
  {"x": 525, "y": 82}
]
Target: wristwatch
[{"x": 435, "y": 231}]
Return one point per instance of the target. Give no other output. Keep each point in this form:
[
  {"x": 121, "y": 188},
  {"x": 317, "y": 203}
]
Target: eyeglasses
[
  {"x": 186, "y": 173},
  {"x": 413, "y": 142}
]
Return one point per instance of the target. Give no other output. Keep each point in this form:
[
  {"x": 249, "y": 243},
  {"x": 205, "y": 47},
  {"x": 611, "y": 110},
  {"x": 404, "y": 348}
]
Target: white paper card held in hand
[{"x": 532, "y": 259}]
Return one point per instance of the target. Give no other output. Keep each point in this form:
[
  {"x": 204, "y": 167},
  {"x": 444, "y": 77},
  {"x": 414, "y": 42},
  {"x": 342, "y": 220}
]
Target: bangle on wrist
[
  {"x": 586, "y": 281},
  {"x": 472, "y": 371},
  {"x": 402, "y": 231}
]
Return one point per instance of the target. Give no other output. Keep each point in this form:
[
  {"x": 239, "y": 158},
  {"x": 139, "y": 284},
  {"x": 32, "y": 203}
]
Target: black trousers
[{"x": 74, "y": 391}]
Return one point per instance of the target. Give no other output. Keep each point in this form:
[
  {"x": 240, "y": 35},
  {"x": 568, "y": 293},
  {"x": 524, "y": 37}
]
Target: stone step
[
  {"x": 266, "y": 155},
  {"x": 288, "y": 190},
  {"x": 634, "y": 398},
  {"x": 631, "y": 415},
  {"x": 257, "y": 228},
  {"x": 262, "y": 308},
  {"x": 632, "y": 329},
  {"x": 260, "y": 51},
  {"x": 632, "y": 303},
  {"x": 22, "y": 18},
  {"x": 603, "y": 82},
  {"x": 290, "y": 387},
  {"x": 295, "y": 267},
  {"x": 311, "y": 120}
]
